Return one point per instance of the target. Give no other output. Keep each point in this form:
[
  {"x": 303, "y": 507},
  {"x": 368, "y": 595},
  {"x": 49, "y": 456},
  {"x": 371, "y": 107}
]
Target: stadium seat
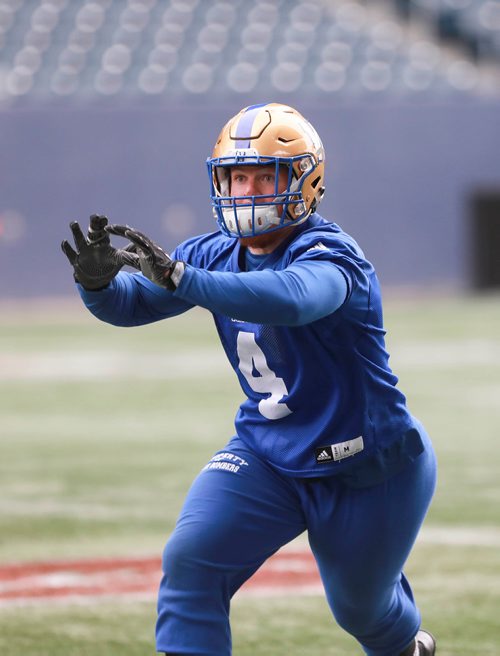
[{"x": 56, "y": 50}]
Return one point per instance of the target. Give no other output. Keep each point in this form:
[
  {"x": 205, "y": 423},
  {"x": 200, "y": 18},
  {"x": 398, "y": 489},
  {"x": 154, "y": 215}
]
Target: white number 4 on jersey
[{"x": 252, "y": 358}]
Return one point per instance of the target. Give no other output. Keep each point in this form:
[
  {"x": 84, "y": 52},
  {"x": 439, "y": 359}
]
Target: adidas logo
[{"x": 324, "y": 453}]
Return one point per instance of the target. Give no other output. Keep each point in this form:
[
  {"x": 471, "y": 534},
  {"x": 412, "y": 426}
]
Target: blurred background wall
[{"x": 113, "y": 106}]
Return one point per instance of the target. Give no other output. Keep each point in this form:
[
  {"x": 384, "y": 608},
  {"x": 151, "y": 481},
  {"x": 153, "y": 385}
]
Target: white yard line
[
  {"x": 98, "y": 365},
  {"x": 461, "y": 536},
  {"x": 454, "y": 354},
  {"x": 89, "y": 365},
  {"x": 451, "y": 536}
]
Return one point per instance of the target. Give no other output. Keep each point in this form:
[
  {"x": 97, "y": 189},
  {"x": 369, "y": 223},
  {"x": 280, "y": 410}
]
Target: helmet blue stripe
[{"x": 244, "y": 129}]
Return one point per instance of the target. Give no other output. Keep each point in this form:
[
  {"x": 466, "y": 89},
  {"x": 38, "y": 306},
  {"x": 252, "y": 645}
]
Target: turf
[{"x": 103, "y": 428}]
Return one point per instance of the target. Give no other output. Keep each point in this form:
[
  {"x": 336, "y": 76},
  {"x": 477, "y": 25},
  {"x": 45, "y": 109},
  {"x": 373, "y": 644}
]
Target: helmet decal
[{"x": 244, "y": 128}]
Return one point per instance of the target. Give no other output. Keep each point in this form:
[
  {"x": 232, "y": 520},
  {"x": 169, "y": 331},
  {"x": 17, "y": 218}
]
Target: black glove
[
  {"x": 96, "y": 262},
  {"x": 155, "y": 264}
]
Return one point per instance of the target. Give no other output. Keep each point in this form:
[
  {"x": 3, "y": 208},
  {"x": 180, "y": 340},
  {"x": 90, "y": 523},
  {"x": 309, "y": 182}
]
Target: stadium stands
[
  {"x": 473, "y": 23},
  {"x": 89, "y": 49}
]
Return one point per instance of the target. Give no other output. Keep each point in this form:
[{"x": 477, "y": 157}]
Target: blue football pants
[{"x": 239, "y": 511}]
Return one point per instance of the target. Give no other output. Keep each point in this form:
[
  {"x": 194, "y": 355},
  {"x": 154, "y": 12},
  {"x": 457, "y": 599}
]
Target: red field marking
[{"x": 287, "y": 571}]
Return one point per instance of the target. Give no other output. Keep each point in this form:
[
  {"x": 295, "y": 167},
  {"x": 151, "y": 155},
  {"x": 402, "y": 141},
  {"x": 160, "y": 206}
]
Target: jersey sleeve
[
  {"x": 301, "y": 293},
  {"x": 132, "y": 300},
  {"x": 321, "y": 252}
]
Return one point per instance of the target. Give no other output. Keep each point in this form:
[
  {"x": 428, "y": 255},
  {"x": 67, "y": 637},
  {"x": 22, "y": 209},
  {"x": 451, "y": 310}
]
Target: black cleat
[
  {"x": 422, "y": 645},
  {"x": 426, "y": 644}
]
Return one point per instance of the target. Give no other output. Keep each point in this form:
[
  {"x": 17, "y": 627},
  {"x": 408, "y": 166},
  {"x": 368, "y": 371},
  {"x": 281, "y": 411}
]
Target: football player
[{"x": 324, "y": 441}]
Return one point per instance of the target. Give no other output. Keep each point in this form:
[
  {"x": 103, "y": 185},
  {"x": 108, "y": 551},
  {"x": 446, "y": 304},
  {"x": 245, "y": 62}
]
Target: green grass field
[{"x": 103, "y": 428}]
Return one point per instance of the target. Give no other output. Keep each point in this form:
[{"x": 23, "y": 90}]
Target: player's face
[
  {"x": 257, "y": 181},
  {"x": 260, "y": 181}
]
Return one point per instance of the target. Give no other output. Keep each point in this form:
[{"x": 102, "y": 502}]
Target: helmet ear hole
[{"x": 317, "y": 199}]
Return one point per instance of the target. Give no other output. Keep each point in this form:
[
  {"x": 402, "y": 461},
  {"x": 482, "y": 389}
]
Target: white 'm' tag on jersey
[{"x": 347, "y": 449}]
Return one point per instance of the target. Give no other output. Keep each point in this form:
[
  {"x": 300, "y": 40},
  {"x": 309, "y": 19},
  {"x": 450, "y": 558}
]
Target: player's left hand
[{"x": 155, "y": 264}]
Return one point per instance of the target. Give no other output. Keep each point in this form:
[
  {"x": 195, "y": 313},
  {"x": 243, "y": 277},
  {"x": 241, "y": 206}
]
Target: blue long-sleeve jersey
[{"x": 304, "y": 334}]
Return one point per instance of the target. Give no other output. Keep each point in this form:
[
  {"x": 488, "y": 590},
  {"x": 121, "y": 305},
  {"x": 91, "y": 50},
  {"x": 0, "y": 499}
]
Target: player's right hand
[{"x": 95, "y": 262}]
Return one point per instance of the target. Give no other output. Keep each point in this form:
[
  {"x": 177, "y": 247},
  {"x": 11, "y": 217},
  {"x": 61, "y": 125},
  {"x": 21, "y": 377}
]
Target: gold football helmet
[{"x": 265, "y": 134}]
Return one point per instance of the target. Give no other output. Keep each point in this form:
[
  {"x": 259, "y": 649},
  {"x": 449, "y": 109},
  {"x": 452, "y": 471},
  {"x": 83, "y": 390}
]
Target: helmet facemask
[{"x": 245, "y": 216}]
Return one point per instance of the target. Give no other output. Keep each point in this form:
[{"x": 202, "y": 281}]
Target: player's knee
[
  {"x": 358, "y": 619},
  {"x": 186, "y": 563},
  {"x": 179, "y": 555}
]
